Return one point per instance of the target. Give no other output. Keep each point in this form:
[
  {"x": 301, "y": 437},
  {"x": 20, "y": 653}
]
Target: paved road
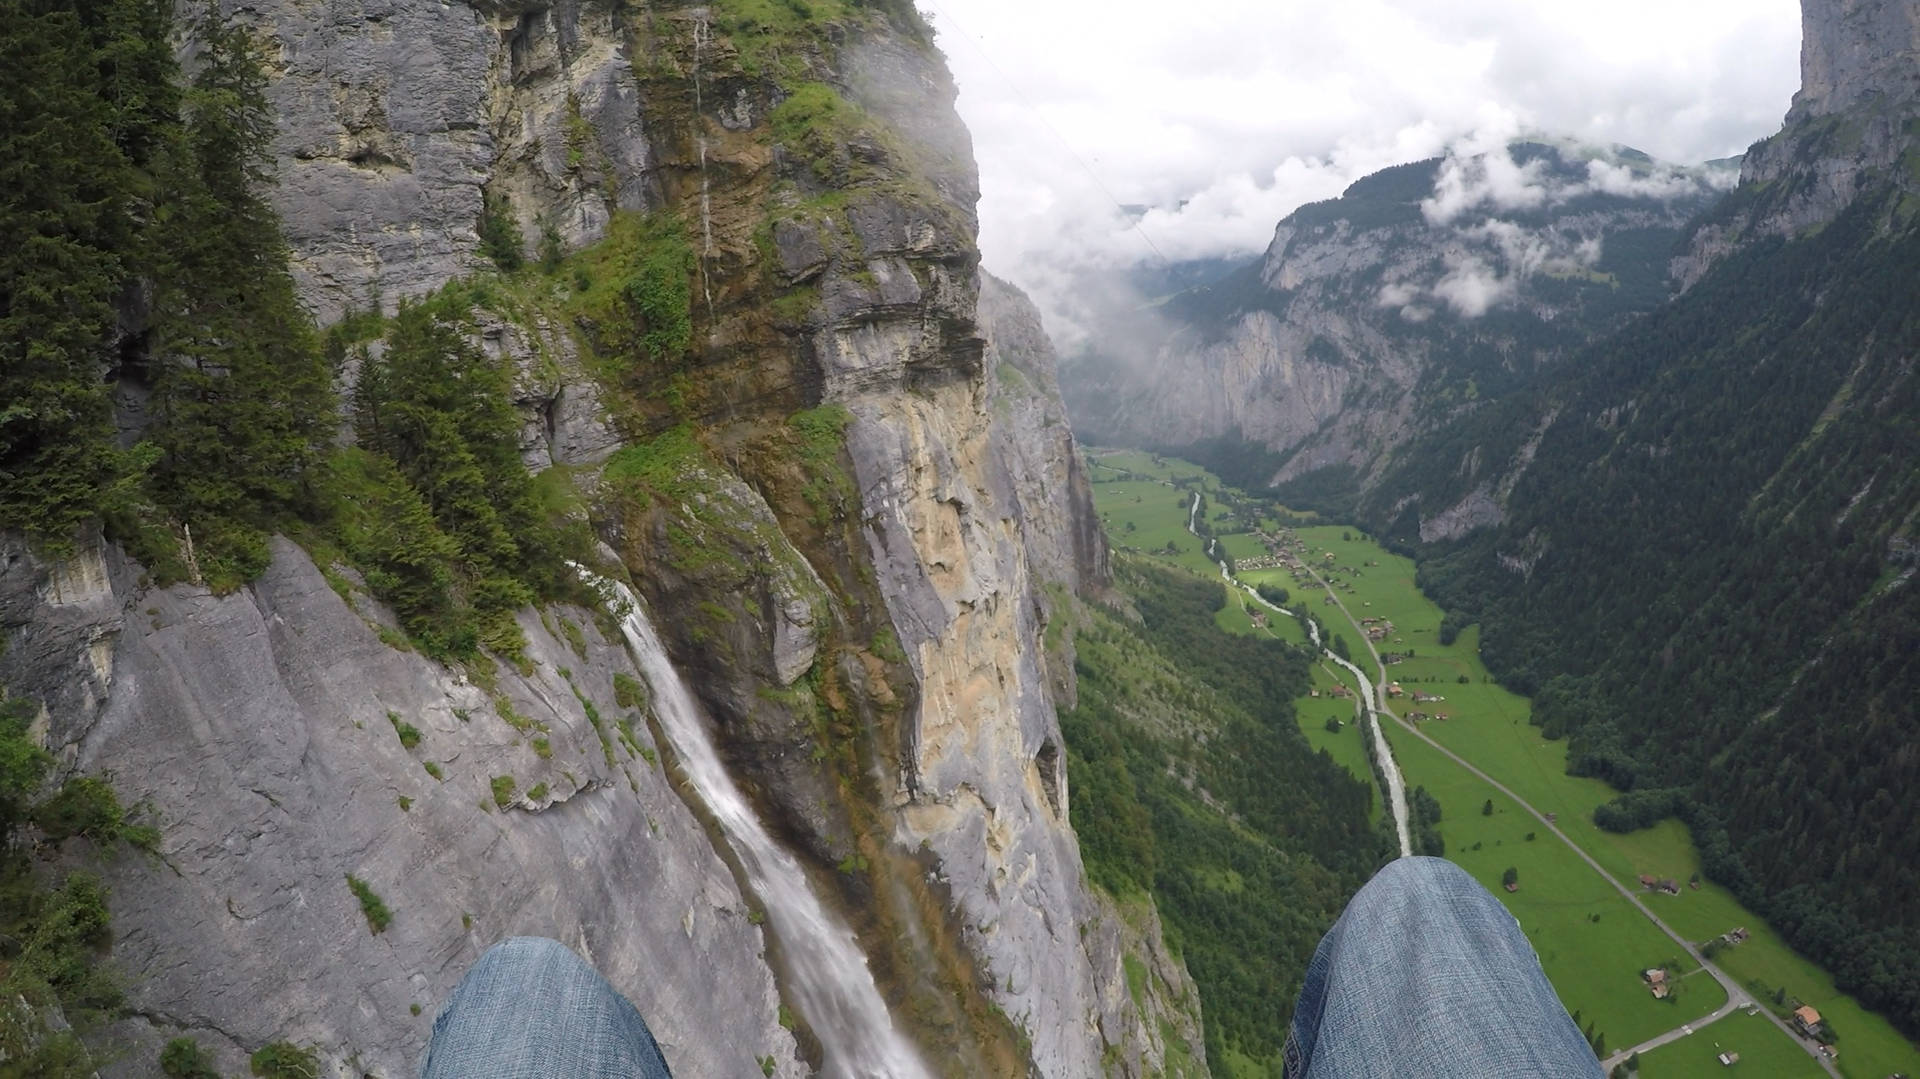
[{"x": 1737, "y": 996}]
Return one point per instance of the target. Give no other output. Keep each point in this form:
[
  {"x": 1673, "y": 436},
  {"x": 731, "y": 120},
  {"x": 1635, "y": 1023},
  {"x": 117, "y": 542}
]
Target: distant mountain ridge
[{"x": 1422, "y": 291}]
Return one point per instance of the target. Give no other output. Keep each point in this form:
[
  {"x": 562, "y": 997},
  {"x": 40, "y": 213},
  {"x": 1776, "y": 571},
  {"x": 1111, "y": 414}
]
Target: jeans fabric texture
[
  {"x": 531, "y": 1009},
  {"x": 1427, "y": 975}
]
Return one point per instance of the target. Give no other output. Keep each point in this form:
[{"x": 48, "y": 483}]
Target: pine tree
[
  {"x": 66, "y": 223},
  {"x": 243, "y": 393}
]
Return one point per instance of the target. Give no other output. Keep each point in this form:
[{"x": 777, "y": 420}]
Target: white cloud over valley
[{"x": 1210, "y": 121}]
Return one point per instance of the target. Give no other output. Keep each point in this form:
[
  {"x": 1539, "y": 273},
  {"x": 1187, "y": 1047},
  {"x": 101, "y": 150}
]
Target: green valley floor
[{"x": 1595, "y": 946}]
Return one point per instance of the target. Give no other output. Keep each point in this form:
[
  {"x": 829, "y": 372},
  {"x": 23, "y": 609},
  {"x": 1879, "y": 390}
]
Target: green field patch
[
  {"x": 1765, "y": 1053},
  {"x": 1490, "y": 726},
  {"x": 1242, "y": 545},
  {"x": 1347, "y": 746},
  {"x": 1592, "y": 944}
]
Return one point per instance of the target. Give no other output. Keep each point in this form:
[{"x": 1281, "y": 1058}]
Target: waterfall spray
[{"x": 828, "y": 977}]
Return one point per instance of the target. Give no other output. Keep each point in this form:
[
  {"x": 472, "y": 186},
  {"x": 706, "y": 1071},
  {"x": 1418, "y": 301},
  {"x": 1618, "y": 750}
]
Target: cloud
[
  {"x": 1222, "y": 116},
  {"x": 1471, "y": 287},
  {"x": 1489, "y": 179}
]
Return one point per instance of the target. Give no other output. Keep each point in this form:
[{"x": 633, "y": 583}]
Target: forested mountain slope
[{"x": 1705, "y": 573}]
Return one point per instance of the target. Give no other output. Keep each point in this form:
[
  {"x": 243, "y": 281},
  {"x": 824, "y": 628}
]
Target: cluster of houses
[
  {"x": 1663, "y": 884},
  {"x": 1656, "y": 979},
  {"x": 1734, "y": 936},
  {"x": 1426, "y": 717},
  {"x": 1378, "y": 629},
  {"x": 1265, "y": 561}
]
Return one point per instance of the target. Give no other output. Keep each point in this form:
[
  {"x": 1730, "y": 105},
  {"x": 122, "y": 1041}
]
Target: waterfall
[
  {"x": 701, "y": 33},
  {"x": 828, "y": 976}
]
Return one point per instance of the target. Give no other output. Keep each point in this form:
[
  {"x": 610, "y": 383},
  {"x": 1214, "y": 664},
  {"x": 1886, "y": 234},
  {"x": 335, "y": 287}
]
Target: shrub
[
  {"x": 184, "y": 1059},
  {"x": 537, "y": 792},
  {"x": 628, "y": 692},
  {"x": 284, "y": 1060},
  {"x": 503, "y": 788},
  {"x": 371, "y": 905},
  {"x": 88, "y": 807},
  {"x": 434, "y": 770},
  {"x": 500, "y": 238},
  {"x": 409, "y": 734}
]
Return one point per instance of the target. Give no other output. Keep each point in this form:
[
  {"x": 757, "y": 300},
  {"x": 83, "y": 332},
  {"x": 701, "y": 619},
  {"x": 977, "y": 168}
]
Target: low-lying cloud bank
[{"x": 1211, "y": 121}]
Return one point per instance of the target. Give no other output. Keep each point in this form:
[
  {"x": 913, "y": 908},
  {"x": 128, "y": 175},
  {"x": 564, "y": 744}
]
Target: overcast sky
[{"x": 1222, "y": 116}]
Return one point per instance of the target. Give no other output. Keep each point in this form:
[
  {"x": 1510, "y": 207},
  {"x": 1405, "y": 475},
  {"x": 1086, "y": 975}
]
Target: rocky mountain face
[
  {"x": 851, "y": 509},
  {"x": 1423, "y": 292},
  {"x": 1851, "y": 127}
]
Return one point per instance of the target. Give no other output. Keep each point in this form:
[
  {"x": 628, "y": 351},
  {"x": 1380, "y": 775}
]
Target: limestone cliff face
[
  {"x": 1063, "y": 539},
  {"x": 853, "y": 572},
  {"x": 1418, "y": 295},
  {"x": 263, "y": 730},
  {"x": 1852, "y": 129},
  {"x": 980, "y": 482},
  {"x": 1853, "y": 52},
  {"x": 394, "y": 119}
]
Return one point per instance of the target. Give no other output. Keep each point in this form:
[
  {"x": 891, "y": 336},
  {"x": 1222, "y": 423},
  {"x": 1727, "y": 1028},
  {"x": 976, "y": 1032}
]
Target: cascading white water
[
  {"x": 702, "y": 32},
  {"x": 829, "y": 979}
]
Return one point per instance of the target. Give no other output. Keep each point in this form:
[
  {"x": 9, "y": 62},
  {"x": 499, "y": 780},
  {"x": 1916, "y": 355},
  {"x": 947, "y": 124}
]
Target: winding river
[{"x": 1365, "y": 709}]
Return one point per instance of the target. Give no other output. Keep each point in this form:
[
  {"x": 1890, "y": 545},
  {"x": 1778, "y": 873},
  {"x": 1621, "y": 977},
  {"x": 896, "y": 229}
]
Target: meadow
[
  {"x": 1489, "y": 726},
  {"x": 1751, "y": 1036},
  {"x": 1592, "y": 943}
]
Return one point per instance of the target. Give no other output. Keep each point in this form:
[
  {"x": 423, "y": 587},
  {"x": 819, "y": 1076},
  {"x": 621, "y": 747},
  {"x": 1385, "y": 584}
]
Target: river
[{"x": 1366, "y": 709}]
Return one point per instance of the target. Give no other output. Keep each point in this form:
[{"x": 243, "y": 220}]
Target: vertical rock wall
[{"x": 264, "y": 728}]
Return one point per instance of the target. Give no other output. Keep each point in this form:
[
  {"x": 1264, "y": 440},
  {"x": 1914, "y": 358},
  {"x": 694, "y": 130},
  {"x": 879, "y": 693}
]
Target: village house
[
  {"x": 1805, "y": 1019},
  {"x": 1394, "y": 690},
  {"x": 1656, "y": 980},
  {"x": 1729, "y": 1059}
]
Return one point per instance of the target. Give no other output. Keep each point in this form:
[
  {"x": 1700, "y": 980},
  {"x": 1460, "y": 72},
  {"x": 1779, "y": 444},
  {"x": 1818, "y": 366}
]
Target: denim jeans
[
  {"x": 531, "y": 1009},
  {"x": 1426, "y": 974}
]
